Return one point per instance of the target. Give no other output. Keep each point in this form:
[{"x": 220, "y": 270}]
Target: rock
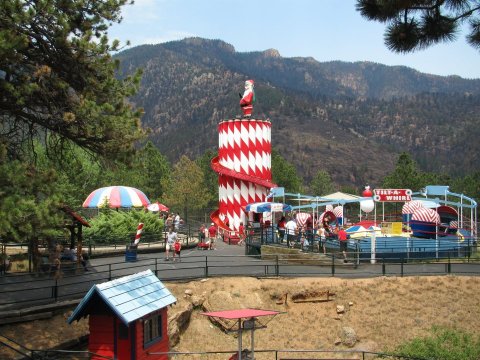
[
  {"x": 197, "y": 300},
  {"x": 349, "y": 336},
  {"x": 189, "y": 292},
  {"x": 350, "y": 303},
  {"x": 340, "y": 309},
  {"x": 338, "y": 341},
  {"x": 203, "y": 280},
  {"x": 178, "y": 323}
]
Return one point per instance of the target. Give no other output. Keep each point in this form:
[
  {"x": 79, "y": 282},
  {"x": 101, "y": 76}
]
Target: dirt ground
[{"x": 383, "y": 312}]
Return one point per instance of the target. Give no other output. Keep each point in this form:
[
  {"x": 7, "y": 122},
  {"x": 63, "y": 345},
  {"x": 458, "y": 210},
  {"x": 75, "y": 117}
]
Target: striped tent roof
[
  {"x": 302, "y": 218},
  {"x": 410, "y": 206},
  {"x": 426, "y": 215},
  {"x": 338, "y": 211},
  {"x": 330, "y": 214}
]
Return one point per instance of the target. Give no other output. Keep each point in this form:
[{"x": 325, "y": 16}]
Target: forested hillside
[{"x": 350, "y": 119}]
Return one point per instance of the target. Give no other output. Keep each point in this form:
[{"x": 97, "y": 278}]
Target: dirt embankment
[{"x": 382, "y": 312}]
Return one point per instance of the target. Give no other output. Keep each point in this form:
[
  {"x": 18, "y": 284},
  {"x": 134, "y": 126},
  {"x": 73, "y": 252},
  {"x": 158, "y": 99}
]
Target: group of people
[
  {"x": 172, "y": 220},
  {"x": 208, "y": 236},
  {"x": 305, "y": 234}
]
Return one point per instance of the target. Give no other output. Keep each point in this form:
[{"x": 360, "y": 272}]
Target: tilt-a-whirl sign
[{"x": 392, "y": 195}]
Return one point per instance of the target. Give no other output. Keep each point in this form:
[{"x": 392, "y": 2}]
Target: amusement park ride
[{"x": 434, "y": 220}]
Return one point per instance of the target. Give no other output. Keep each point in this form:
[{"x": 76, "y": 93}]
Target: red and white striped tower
[{"x": 244, "y": 168}]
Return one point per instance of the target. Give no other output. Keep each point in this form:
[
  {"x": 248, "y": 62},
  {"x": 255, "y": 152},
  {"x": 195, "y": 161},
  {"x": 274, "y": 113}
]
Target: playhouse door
[{"x": 124, "y": 348}]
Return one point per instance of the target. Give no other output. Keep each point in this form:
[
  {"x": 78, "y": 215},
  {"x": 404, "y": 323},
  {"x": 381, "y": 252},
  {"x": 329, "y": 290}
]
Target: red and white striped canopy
[
  {"x": 427, "y": 215},
  {"x": 330, "y": 214},
  {"x": 302, "y": 218},
  {"x": 410, "y": 206},
  {"x": 338, "y": 211}
]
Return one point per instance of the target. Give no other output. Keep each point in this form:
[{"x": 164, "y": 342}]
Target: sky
[{"x": 323, "y": 29}]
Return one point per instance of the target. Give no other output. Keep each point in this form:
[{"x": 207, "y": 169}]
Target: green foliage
[
  {"x": 210, "y": 177},
  {"x": 322, "y": 184},
  {"x": 468, "y": 185},
  {"x": 148, "y": 172},
  {"x": 405, "y": 176},
  {"x": 111, "y": 224},
  {"x": 185, "y": 189},
  {"x": 417, "y": 24},
  {"x": 29, "y": 204},
  {"x": 58, "y": 79},
  {"x": 444, "y": 344},
  {"x": 284, "y": 174}
]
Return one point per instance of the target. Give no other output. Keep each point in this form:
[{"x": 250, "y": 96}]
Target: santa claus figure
[{"x": 247, "y": 100}]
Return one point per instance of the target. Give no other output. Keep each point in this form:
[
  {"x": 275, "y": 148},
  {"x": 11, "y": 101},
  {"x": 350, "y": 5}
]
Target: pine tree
[
  {"x": 417, "y": 24},
  {"x": 57, "y": 78}
]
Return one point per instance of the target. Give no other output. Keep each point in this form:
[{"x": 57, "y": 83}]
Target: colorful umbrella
[
  {"x": 116, "y": 197},
  {"x": 156, "y": 206}
]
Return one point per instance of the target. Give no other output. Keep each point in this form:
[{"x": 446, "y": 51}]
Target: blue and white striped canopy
[{"x": 268, "y": 207}]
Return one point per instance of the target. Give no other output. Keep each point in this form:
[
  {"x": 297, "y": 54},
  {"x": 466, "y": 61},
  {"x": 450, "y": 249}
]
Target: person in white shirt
[
  {"x": 171, "y": 238},
  {"x": 291, "y": 231}
]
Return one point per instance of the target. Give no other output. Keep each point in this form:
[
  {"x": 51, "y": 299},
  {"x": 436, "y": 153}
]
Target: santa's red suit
[{"x": 246, "y": 102}]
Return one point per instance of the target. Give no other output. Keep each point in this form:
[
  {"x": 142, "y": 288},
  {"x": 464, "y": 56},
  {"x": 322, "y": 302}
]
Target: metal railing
[{"x": 21, "y": 290}]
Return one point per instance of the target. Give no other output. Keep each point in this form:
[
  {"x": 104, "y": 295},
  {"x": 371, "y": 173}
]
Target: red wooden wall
[{"x": 102, "y": 339}]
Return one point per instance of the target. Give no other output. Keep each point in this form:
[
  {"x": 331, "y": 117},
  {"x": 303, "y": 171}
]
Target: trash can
[{"x": 131, "y": 253}]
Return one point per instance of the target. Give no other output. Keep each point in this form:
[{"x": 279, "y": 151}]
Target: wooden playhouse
[{"x": 127, "y": 317}]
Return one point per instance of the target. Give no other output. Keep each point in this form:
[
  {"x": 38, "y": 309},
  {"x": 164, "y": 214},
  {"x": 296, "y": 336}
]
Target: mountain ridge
[{"x": 351, "y": 119}]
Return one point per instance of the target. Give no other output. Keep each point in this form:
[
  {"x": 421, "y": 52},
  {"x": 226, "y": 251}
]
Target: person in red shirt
[
  {"x": 241, "y": 234},
  {"x": 281, "y": 229},
  {"x": 342, "y": 237},
  {"x": 212, "y": 234}
]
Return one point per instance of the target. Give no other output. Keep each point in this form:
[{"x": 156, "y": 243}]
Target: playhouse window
[{"x": 152, "y": 330}]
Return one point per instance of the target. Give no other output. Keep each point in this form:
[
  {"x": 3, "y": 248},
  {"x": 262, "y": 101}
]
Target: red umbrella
[{"x": 156, "y": 206}]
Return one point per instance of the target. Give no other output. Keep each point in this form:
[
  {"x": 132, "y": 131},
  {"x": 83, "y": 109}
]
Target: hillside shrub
[
  {"x": 445, "y": 344},
  {"x": 114, "y": 226}
]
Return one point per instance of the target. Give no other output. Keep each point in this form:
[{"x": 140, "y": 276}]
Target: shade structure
[
  {"x": 302, "y": 218},
  {"x": 262, "y": 207},
  {"x": 357, "y": 231},
  {"x": 116, "y": 197},
  {"x": 427, "y": 215},
  {"x": 156, "y": 206},
  {"x": 330, "y": 214},
  {"x": 410, "y": 206}
]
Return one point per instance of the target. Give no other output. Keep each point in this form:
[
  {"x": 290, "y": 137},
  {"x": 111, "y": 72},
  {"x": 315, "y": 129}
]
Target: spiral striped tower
[{"x": 243, "y": 165}]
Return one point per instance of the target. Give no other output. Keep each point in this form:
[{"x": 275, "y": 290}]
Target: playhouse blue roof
[{"x": 129, "y": 297}]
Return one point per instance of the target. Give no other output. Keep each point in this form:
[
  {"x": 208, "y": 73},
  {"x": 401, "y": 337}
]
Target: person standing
[
  {"x": 171, "y": 238},
  {"x": 241, "y": 234},
  {"x": 291, "y": 230},
  {"x": 176, "y": 221},
  {"x": 342, "y": 237},
  {"x": 169, "y": 221},
  {"x": 177, "y": 247},
  {"x": 323, "y": 239},
  {"x": 212, "y": 235},
  {"x": 201, "y": 233},
  {"x": 281, "y": 228}
]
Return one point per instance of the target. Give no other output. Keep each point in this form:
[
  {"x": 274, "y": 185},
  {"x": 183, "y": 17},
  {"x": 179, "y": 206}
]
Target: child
[{"x": 177, "y": 248}]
